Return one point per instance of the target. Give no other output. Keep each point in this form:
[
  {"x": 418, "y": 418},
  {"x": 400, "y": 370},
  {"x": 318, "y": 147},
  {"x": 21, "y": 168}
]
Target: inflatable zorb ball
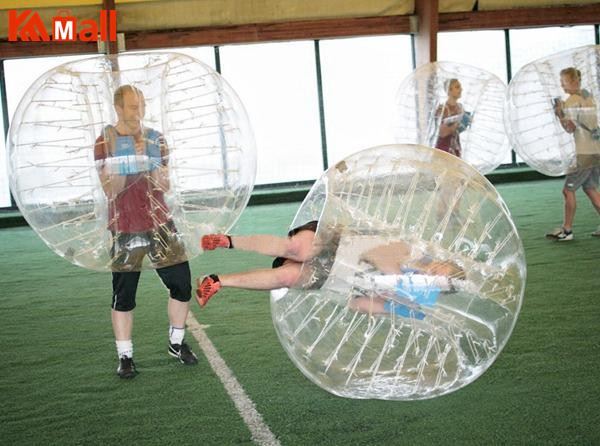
[
  {"x": 536, "y": 103},
  {"x": 422, "y": 111},
  {"x": 140, "y": 194},
  {"x": 417, "y": 280}
]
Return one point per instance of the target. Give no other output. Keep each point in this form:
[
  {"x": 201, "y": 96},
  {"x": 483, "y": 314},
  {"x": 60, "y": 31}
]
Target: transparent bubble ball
[
  {"x": 417, "y": 282},
  {"x": 195, "y": 133},
  {"x": 421, "y": 111},
  {"x": 535, "y": 130}
]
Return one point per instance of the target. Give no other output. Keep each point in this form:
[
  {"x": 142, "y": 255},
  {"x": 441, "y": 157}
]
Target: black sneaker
[
  {"x": 183, "y": 353},
  {"x": 126, "y": 369}
]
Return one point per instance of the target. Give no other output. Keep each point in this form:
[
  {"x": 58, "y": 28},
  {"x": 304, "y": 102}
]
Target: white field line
[{"x": 261, "y": 434}]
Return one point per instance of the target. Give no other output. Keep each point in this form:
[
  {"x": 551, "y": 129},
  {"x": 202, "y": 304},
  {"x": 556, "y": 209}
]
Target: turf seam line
[{"x": 261, "y": 434}]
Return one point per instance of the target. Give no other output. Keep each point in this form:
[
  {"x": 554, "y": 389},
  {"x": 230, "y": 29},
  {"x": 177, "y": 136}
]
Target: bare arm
[
  {"x": 448, "y": 129},
  {"x": 160, "y": 178},
  {"x": 111, "y": 184},
  {"x": 299, "y": 248},
  {"x": 567, "y": 124},
  {"x": 160, "y": 175}
]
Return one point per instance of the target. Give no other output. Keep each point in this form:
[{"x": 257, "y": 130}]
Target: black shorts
[
  {"x": 315, "y": 271},
  {"x": 177, "y": 278},
  {"x": 310, "y": 226}
]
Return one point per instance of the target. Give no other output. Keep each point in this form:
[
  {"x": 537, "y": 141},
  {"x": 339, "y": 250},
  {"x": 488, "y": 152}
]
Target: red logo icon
[{"x": 27, "y": 26}]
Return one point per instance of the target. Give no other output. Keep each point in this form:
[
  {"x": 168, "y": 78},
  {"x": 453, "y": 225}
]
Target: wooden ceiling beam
[
  {"x": 269, "y": 32},
  {"x": 427, "y": 30},
  {"x": 520, "y": 18},
  {"x": 9, "y": 50},
  {"x": 111, "y": 47},
  {"x": 221, "y": 35}
]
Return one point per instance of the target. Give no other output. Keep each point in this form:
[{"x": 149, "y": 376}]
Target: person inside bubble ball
[
  {"x": 407, "y": 281},
  {"x": 290, "y": 253},
  {"x": 578, "y": 116},
  {"x": 453, "y": 119},
  {"x": 132, "y": 163},
  {"x": 413, "y": 282}
]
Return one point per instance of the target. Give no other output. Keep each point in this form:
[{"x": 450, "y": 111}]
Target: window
[
  {"x": 527, "y": 45},
  {"x": 485, "y": 50},
  {"x": 204, "y": 54},
  {"x": 277, "y": 84},
  {"x": 360, "y": 80},
  {"x": 481, "y": 49},
  {"x": 22, "y": 73}
]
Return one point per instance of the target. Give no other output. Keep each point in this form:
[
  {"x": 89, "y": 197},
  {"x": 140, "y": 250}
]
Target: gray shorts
[{"x": 586, "y": 178}]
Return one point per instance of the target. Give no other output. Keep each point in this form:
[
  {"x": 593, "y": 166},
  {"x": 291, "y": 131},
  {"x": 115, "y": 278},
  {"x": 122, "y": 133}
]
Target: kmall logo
[{"x": 27, "y": 26}]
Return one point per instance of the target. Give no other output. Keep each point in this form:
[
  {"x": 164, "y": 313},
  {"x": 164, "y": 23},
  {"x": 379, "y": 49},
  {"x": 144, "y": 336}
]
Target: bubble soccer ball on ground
[
  {"x": 456, "y": 108},
  {"x": 121, "y": 163},
  {"x": 551, "y": 112},
  {"x": 417, "y": 280}
]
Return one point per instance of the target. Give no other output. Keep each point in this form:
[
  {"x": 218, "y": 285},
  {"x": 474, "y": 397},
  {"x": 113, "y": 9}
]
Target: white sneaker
[
  {"x": 565, "y": 236},
  {"x": 554, "y": 233},
  {"x": 560, "y": 234},
  {"x": 596, "y": 233}
]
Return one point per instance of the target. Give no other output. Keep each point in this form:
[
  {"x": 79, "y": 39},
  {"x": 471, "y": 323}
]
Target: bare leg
[
  {"x": 262, "y": 244},
  {"x": 177, "y": 312},
  {"x": 371, "y": 305},
  {"x": 594, "y": 197},
  {"x": 122, "y": 322},
  {"x": 298, "y": 248},
  {"x": 570, "y": 207},
  {"x": 264, "y": 279}
]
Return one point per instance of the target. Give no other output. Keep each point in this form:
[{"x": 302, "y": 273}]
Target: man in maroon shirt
[{"x": 133, "y": 168}]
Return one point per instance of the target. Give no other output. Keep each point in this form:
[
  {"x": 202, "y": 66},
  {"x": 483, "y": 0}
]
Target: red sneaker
[
  {"x": 214, "y": 241},
  {"x": 207, "y": 288}
]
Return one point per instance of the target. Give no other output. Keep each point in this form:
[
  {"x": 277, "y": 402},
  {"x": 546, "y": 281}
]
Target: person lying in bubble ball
[
  {"x": 290, "y": 253},
  {"x": 453, "y": 119},
  {"x": 407, "y": 282},
  {"x": 132, "y": 163}
]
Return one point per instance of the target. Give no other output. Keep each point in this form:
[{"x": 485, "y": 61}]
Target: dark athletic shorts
[
  {"x": 310, "y": 226},
  {"x": 316, "y": 270},
  {"x": 177, "y": 278}
]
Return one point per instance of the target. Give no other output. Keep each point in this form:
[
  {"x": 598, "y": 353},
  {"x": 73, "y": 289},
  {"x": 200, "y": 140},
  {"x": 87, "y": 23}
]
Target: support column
[{"x": 427, "y": 29}]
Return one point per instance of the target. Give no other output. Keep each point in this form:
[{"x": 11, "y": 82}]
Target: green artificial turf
[{"x": 58, "y": 382}]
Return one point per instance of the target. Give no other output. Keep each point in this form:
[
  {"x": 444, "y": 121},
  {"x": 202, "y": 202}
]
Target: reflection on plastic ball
[
  {"x": 109, "y": 199},
  {"x": 417, "y": 281},
  {"x": 554, "y": 130},
  {"x": 471, "y": 128}
]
